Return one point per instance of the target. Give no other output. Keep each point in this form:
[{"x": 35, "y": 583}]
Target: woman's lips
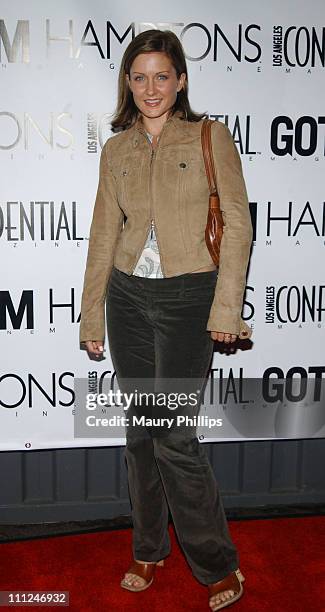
[{"x": 152, "y": 103}]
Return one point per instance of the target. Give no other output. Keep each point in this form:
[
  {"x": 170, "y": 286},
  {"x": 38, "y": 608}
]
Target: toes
[
  {"x": 221, "y": 598},
  {"x": 133, "y": 580},
  {"x": 225, "y": 595}
]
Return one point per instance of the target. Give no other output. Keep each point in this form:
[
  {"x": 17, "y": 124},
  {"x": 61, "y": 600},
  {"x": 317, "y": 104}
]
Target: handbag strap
[{"x": 208, "y": 155}]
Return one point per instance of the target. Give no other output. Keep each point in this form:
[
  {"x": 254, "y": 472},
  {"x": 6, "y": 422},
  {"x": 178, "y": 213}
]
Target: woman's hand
[
  {"x": 223, "y": 337},
  {"x": 95, "y": 347}
]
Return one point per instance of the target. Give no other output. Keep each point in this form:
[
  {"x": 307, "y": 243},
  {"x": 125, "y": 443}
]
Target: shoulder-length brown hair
[{"x": 167, "y": 42}]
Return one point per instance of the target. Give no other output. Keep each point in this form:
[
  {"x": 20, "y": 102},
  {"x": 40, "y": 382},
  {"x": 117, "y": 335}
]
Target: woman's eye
[{"x": 160, "y": 76}]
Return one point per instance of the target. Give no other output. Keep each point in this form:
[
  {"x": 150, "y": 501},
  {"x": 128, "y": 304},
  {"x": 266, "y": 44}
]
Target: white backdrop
[{"x": 259, "y": 67}]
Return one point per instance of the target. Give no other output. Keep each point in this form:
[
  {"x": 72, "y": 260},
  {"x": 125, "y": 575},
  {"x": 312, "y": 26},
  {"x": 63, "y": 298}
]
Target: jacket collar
[{"x": 173, "y": 119}]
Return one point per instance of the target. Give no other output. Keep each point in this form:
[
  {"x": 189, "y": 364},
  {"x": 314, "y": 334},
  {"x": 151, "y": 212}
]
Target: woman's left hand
[{"x": 223, "y": 337}]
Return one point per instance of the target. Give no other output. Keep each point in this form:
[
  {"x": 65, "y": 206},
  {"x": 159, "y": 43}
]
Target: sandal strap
[
  {"x": 228, "y": 583},
  {"x": 143, "y": 570}
]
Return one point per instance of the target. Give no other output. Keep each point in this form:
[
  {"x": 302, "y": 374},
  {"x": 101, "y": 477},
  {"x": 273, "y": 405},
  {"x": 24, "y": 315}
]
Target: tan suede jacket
[{"x": 169, "y": 185}]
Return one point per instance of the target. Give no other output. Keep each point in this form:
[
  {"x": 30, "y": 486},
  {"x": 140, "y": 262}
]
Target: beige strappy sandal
[
  {"x": 232, "y": 582},
  {"x": 145, "y": 571}
]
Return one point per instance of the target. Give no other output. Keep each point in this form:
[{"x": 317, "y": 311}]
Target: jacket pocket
[
  {"x": 183, "y": 168},
  {"x": 128, "y": 173},
  {"x": 193, "y": 202}
]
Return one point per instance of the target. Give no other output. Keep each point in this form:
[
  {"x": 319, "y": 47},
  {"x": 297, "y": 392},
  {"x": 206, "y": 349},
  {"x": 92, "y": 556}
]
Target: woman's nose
[{"x": 150, "y": 87}]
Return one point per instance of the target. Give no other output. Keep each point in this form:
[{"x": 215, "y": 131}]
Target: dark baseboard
[{"x": 14, "y": 533}]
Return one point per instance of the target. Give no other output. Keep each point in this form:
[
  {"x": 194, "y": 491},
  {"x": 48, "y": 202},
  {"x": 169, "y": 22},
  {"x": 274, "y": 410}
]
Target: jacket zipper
[
  {"x": 152, "y": 220},
  {"x": 148, "y": 230},
  {"x": 153, "y": 223},
  {"x": 143, "y": 243}
]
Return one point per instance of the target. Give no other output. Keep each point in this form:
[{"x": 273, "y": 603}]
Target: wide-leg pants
[{"x": 156, "y": 329}]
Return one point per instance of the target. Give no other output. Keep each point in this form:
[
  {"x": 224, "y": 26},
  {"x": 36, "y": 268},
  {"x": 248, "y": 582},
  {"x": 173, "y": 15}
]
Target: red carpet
[{"x": 282, "y": 559}]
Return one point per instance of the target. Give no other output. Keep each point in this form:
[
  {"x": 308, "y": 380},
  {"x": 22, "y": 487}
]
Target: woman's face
[{"x": 154, "y": 84}]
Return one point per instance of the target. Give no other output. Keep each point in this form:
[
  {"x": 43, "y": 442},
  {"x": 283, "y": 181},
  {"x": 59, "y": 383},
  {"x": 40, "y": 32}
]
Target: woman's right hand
[{"x": 95, "y": 347}]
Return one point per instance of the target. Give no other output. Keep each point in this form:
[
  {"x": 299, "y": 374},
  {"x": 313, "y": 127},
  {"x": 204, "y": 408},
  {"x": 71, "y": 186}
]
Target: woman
[{"x": 166, "y": 303}]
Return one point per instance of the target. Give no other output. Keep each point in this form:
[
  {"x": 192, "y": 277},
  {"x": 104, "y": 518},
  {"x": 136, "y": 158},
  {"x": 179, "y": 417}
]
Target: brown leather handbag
[{"x": 214, "y": 226}]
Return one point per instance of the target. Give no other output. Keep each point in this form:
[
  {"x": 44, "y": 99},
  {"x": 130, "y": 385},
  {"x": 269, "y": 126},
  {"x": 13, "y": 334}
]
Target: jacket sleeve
[
  {"x": 225, "y": 313},
  {"x": 105, "y": 228}
]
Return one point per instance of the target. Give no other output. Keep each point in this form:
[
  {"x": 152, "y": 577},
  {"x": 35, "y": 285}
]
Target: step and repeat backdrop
[{"x": 256, "y": 66}]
